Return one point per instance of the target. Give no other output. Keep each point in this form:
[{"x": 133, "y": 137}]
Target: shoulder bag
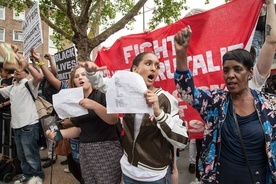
[{"x": 43, "y": 107}]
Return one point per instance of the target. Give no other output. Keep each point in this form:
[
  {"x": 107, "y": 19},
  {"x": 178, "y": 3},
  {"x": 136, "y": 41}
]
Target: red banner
[{"x": 215, "y": 32}]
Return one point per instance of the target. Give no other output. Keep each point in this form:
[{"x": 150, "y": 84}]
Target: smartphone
[{"x": 54, "y": 128}]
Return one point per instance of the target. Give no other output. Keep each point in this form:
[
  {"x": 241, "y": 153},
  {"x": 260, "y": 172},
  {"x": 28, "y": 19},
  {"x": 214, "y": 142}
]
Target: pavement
[{"x": 61, "y": 177}]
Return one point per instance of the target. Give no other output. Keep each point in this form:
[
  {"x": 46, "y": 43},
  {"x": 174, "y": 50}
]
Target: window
[
  {"x": 17, "y": 36},
  {"x": 18, "y": 15},
  {"x": 51, "y": 43},
  {"x": 2, "y": 13},
  {"x": 2, "y": 35}
]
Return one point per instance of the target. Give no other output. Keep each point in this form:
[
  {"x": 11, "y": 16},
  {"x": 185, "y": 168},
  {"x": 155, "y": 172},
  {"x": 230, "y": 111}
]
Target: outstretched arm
[
  {"x": 181, "y": 44},
  {"x": 71, "y": 132},
  {"x": 47, "y": 73},
  {"x": 52, "y": 64},
  {"x": 36, "y": 75},
  {"x": 266, "y": 56},
  {"x": 94, "y": 76}
]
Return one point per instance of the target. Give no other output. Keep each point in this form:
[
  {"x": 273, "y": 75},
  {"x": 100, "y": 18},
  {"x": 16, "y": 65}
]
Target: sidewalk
[{"x": 59, "y": 176}]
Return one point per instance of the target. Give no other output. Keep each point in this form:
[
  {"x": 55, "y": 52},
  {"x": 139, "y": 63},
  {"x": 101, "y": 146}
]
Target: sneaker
[
  {"x": 66, "y": 170},
  {"x": 35, "y": 180},
  {"x": 22, "y": 179},
  {"x": 192, "y": 168},
  {"x": 196, "y": 181},
  {"x": 42, "y": 148}
]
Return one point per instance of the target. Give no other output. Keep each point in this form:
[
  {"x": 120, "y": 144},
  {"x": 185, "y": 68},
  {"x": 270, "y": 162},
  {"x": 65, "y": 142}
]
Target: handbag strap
[
  {"x": 242, "y": 145},
  {"x": 28, "y": 87}
]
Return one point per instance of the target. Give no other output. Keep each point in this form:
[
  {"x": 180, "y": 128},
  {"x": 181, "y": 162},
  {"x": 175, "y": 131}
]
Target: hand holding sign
[
  {"x": 35, "y": 57},
  {"x": 126, "y": 93}
]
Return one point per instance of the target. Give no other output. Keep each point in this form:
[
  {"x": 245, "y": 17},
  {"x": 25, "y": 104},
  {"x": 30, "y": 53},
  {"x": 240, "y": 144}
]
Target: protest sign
[
  {"x": 215, "y": 32},
  {"x": 32, "y": 32},
  {"x": 125, "y": 94},
  {"x": 65, "y": 61}
]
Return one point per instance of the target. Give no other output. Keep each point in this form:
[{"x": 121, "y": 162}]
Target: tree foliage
[{"x": 77, "y": 21}]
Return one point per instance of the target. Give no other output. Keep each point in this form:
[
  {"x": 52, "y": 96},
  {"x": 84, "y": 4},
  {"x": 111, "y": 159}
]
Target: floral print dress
[{"x": 213, "y": 106}]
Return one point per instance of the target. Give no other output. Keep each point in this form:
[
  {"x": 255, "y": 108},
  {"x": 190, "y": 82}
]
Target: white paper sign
[
  {"x": 32, "y": 32},
  {"x": 125, "y": 94},
  {"x": 66, "y": 103}
]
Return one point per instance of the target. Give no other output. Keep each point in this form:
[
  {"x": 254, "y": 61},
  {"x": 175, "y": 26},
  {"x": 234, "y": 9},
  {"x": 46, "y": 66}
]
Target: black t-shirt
[
  {"x": 5, "y": 83},
  {"x": 93, "y": 128},
  {"x": 47, "y": 90}
]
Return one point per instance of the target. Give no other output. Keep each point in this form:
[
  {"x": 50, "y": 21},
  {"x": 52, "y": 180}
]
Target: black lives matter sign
[{"x": 65, "y": 61}]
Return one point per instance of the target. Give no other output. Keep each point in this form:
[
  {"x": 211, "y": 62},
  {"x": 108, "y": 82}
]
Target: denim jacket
[{"x": 212, "y": 106}]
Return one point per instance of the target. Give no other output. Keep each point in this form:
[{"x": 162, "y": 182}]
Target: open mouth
[
  {"x": 81, "y": 83},
  {"x": 151, "y": 77},
  {"x": 231, "y": 84}
]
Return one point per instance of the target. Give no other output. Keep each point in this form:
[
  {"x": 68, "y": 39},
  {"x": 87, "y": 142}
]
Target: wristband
[
  {"x": 58, "y": 135},
  {"x": 40, "y": 63},
  {"x": 3, "y": 104}
]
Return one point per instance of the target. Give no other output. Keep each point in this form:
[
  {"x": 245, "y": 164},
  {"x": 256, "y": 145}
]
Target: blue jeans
[
  {"x": 28, "y": 151},
  {"x": 165, "y": 180}
]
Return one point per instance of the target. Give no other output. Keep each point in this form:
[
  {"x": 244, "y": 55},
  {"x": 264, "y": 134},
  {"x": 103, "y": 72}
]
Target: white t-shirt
[
  {"x": 23, "y": 109},
  {"x": 139, "y": 174},
  {"x": 257, "y": 80}
]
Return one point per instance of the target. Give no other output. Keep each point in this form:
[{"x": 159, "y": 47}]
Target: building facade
[{"x": 11, "y": 29}]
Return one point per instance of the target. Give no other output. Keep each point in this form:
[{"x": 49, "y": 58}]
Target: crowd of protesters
[{"x": 239, "y": 137}]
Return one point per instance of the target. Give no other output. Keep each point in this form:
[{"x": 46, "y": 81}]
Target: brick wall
[{"x": 10, "y": 25}]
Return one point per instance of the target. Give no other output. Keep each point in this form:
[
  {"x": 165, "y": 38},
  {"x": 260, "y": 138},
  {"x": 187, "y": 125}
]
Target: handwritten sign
[
  {"x": 66, "y": 103},
  {"x": 125, "y": 94}
]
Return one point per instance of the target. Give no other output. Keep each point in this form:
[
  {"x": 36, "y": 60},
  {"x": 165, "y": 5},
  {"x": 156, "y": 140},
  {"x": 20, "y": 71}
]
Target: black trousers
[
  {"x": 74, "y": 168},
  {"x": 198, "y": 150}
]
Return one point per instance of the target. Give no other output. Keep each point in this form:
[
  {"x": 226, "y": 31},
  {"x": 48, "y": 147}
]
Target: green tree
[{"x": 77, "y": 21}]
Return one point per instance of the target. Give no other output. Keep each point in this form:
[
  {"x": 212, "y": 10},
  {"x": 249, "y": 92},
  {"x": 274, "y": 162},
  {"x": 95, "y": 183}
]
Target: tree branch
[
  {"x": 85, "y": 8},
  {"x": 54, "y": 27},
  {"x": 70, "y": 16},
  {"x": 94, "y": 7},
  {"x": 59, "y": 5},
  {"x": 118, "y": 25},
  {"x": 94, "y": 25}
]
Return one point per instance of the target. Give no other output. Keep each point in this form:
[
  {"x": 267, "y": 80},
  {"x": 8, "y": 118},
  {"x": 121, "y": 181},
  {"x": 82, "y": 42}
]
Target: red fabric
[{"x": 214, "y": 32}]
